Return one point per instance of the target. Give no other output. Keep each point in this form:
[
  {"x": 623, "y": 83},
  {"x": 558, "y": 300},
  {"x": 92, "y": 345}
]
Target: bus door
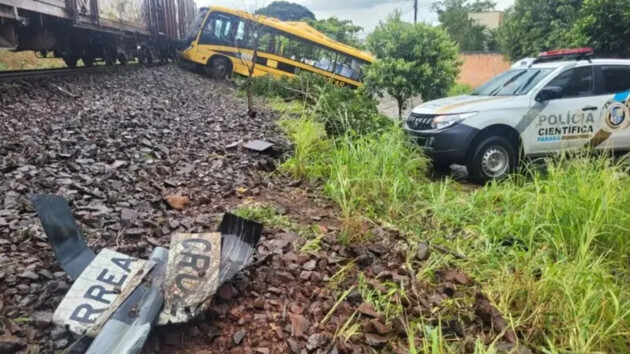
[{"x": 218, "y": 31}]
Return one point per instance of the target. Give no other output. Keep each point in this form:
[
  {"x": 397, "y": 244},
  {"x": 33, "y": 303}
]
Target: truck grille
[{"x": 420, "y": 121}]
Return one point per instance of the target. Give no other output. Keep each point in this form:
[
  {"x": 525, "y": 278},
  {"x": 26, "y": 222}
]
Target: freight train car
[{"x": 90, "y": 30}]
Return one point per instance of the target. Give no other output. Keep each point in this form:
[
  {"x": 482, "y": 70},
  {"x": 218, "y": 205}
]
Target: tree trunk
[
  {"x": 250, "y": 98},
  {"x": 401, "y": 103},
  {"x": 251, "y": 111}
]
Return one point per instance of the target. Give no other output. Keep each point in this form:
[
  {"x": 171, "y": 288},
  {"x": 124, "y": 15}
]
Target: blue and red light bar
[
  {"x": 585, "y": 51},
  {"x": 551, "y": 55}
]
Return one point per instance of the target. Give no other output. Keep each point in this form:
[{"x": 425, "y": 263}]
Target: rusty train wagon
[{"x": 89, "y": 30}]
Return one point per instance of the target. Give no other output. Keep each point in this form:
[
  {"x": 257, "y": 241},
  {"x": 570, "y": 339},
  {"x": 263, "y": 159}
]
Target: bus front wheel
[{"x": 218, "y": 68}]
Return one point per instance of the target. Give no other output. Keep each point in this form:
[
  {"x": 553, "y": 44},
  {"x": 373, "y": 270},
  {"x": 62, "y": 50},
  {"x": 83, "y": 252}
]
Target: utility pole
[{"x": 415, "y": 12}]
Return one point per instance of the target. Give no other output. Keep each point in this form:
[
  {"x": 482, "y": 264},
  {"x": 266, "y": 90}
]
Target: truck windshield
[{"x": 512, "y": 82}]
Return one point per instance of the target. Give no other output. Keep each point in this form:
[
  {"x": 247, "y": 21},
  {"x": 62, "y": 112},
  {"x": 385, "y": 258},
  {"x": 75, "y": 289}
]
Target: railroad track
[{"x": 28, "y": 74}]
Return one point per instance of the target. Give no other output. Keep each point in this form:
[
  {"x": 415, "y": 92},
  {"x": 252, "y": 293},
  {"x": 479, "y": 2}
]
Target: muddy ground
[{"x": 116, "y": 143}]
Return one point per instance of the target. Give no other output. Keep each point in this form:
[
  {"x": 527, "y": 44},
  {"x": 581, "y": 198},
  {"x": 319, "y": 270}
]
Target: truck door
[
  {"x": 614, "y": 88},
  {"x": 571, "y": 119}
]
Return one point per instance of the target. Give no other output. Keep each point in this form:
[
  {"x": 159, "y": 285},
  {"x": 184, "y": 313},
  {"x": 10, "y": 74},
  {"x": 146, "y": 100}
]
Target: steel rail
[{"x": 39, "y": 73}]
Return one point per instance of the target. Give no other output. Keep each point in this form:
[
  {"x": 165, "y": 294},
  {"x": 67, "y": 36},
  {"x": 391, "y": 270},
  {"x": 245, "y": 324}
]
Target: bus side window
[
  {"x": 218, "y": 30},
  {"x": 348, "y": 67},
  {"x": 281, "y": 43},
  {"x": 247, "y": 32},
  {"x": 305, "y": 52},
  {"x": 242, "y": 35},
  {"x": 325, "y": 59},
  {"x": 267, "y": 41}
]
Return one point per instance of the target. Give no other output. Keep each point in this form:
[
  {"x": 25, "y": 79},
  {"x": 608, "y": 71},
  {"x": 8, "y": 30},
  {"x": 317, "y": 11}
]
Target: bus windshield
[
  {"x": 512, "y": 82},
  {"x": 194, "y": 27}
]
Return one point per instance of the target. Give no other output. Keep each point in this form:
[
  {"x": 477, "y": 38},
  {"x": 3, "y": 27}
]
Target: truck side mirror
[{"x": 549, "y": 93}]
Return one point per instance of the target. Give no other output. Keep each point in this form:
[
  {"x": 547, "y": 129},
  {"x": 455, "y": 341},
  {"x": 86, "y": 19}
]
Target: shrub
[
  {"x": 459, "y": 89},
  {"x": 414, "y": 60},
  {"x": 340, "y": 109},
  {"x": 298, "y": 87}
]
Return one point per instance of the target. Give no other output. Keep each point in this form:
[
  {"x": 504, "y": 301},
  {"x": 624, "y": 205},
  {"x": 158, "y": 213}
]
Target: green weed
[
  {"x": 550, "y": 250},
  {"x": 375, "y": 175},
  {"x": 334, "y": 308},
  {"x": 266, "y": 215},
  {"x": 340, "y": 277},
  {"x": 309, "y": 147},
  {"x": 351, "y": 328},
  {"x": 286, "y": 108},
  {"x": 385, "y": 299},
  {"x": 314, "y": 245}
]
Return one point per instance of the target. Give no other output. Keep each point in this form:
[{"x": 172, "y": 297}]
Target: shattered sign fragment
[
  {"x": 239, "y": 240},
  {"x": 118, "y": 299},
  {"x": 258, "y": 145},
  {"x": 192, "y": 275},
  {"x": 63, "y": 233},
  {"x": 96, "y": 289},
  {"x": 129, "y": 327}
]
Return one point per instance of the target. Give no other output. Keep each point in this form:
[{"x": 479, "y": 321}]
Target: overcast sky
[{"x": 365, "y": 13}]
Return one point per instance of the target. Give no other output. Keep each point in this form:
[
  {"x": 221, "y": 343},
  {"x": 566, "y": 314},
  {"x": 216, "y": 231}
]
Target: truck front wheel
[{"x": 494, "y": 158}]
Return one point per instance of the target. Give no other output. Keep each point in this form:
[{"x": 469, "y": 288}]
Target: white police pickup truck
[{"x": 562, "y": 100}]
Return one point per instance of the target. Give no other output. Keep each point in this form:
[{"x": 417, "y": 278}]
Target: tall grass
[
  {"x": 310, "y": 147},
  {"x": 552, "y": 252},
  {"x": 375, "y": 175},
  {"x": 550, "y": 249}
]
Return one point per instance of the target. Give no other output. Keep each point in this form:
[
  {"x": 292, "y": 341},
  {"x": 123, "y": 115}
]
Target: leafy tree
[
  {"x": 532, "y": 26},
  {"x": 286, "y": 11},
  {"x": 474, "y": 38},
  {"x": 413, "y": 60},
  {"x": 605, "y": 26},
  {"x": 344, "y": 31},
  {"x": 453, "y": 16}
]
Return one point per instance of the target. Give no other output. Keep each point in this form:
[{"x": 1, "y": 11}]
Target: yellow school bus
[{"x": 223, "y": 40}]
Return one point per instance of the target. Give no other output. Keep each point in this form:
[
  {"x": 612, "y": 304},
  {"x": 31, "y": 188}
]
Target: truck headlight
[{"x": 442, "y": 122}]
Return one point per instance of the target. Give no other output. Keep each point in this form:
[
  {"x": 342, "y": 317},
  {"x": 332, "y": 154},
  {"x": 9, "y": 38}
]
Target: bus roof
[{"x": 299, "y": 29}]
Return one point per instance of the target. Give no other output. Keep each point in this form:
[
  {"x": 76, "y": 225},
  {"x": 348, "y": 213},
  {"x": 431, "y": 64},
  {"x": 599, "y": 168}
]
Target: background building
[{"x": 490, "y": 19}]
